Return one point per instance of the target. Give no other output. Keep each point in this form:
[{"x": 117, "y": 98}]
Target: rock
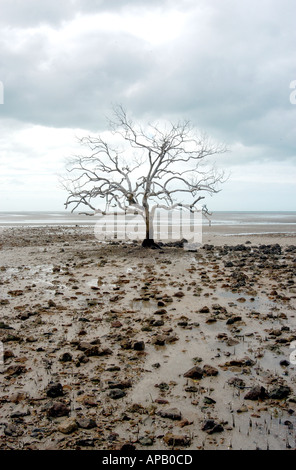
[
  {"x": 86, "y": 423},
  {"x": 174, "y": 440},
  {"x": 210, "y": 371},
  {"x": 209, "y": 401},
  {"x": 194, "y": 373},
  {"x": 236, "y": 382},
  {"x": 120, "y": 385},
  {"x": 11, "y": 430},
  {"x": 232, "y": 320},
  {"x": 58, "y": 410},
  {"x": 54, "y": 390},
  {"x": 139, "y": 346},
  {"x": 97, "y": 351},
  {"x": 170, "y": 413},
  {"x": 116, "y": 393},
  {"x": 256, "y": 393},
  {"x": 15, "y": 370},
  {"x": 279, "y": 392},
  {"x": 68, "y": 426},
  {"x": 204, "y": 310},
  {"x": 284, "y": 363},
  {"x": 211, "y": 427},
  {"x": 66, "y": 357},
  {"x": 161, "y": 311},
  {"x": 146, "y": 441},
  {"x": 179, "y": 294},
  {"x": 159, "y": 340}
]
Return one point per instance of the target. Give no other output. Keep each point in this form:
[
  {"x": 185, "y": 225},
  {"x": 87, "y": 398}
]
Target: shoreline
[{"x": 108, "y": 344}]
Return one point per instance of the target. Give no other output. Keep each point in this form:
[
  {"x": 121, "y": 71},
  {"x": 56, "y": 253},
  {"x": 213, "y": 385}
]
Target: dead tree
[{"x": 158, "y": 166}]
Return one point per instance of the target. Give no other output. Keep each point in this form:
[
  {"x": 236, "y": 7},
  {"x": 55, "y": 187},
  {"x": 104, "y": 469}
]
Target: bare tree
[{"x": 165, "y": 164}]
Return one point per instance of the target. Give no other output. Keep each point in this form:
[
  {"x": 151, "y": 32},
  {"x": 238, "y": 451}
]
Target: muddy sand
[{"x": 111, "y": 346}]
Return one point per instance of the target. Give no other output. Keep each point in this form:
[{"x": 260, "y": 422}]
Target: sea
[{"x": 228, "y": 221}]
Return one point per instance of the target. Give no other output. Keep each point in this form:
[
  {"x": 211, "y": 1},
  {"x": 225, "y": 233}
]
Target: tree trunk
[{"x": 149, "y": 241}]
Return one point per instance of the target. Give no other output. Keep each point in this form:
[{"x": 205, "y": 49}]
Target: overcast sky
[{"x": 226, "y": 65}]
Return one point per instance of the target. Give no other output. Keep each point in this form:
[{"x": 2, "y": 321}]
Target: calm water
[{"x": 218, "y": 218}]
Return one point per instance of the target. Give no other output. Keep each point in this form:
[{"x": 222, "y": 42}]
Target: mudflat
[{"x": 111, "y": 346}]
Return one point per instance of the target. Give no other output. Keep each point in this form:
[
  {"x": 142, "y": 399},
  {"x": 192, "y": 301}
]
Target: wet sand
[{"x": 108, "y": 345}]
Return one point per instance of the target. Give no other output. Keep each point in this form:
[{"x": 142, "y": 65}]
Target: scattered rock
[
  {"x": 256, "y": 393},
  {"x": 174, "y": 440},
  {"x": 210, "y": 371},
  {"x": 279, "y": 392},
  {"x": 194, "y": 373},
  {"x": 116, "y": 393},
  {"x": 171, "y": 413},
  {"x": 54, "y": 390},
  {"x": 58, "y": 410},
  {"x": 68, "y": 426}
]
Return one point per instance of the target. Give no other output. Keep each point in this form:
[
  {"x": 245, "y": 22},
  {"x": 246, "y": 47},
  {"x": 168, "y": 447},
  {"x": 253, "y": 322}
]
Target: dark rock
[
  {"x": 120, "y": 385},
  {"x": 66, "y": 357},
  {"x": 171, "y": 413},
  {"x": 211, "y": 427},
  {"x": 194, "y": 373},
  {"x": 54, "y": 390},
  {"x": 161, "y": 311},
  {"x": 174, "y": 440},
  {"x": 284, "y": 363},
  {"x": 256, "y": 393},
  {"x": 146, "y": 441},
  {"x": 279, "y": 392},
  {"x": 86, "y": 423},
  {"x": 232, "y": 320},
  {"x": 210, "y": 371},
  {"x": 159, "y": 340},
  {"x": 139, "y": 346},
  {"x": 116, "y": 393},
  {"x": 58, "y": 410},
  {"x": 204, "y": 310}
]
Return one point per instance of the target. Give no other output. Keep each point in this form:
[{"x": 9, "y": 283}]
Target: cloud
[{"x": 227, "y": 68}]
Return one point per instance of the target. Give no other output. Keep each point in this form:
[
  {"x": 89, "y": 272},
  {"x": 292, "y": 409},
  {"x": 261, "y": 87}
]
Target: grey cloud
[
  {"x": 229, "y": 71},
  {"x": 28, "y": 13}
]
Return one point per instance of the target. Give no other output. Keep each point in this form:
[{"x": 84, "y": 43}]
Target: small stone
[
  {"x": 171, "y": 413},
  {"x": 209, "y": 401},
  {"x": 210, "y": 371},
  {"x": 232, "y": 320},
  {"x": 179, "y": 294},
  {"x": 204, "y": 310},
  {"x": 86, "y": 423},
  {"x": 12, "y": 431},
  {"x": 211, "y": 427},
  {"x": 54, "y": 390},
  {"x": 194, "y": 373},
  {"x": 279, "y": 392},
  {"x": 116, "y": 393},
  {"x": 68, "y": 426},
  {"x": 174, "y": 440},
  {"x": 139, "y": 346},
  {"x": 161, "y": 311},
  {"x": 256, "y": 393},
  {"x": 58, "y": 410},
  {"x": 66, "y": 357},
  {"x": 284, "y": 363},
  {"x": 159, "y": 340},
  {"x": 146, "y": 441}
]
